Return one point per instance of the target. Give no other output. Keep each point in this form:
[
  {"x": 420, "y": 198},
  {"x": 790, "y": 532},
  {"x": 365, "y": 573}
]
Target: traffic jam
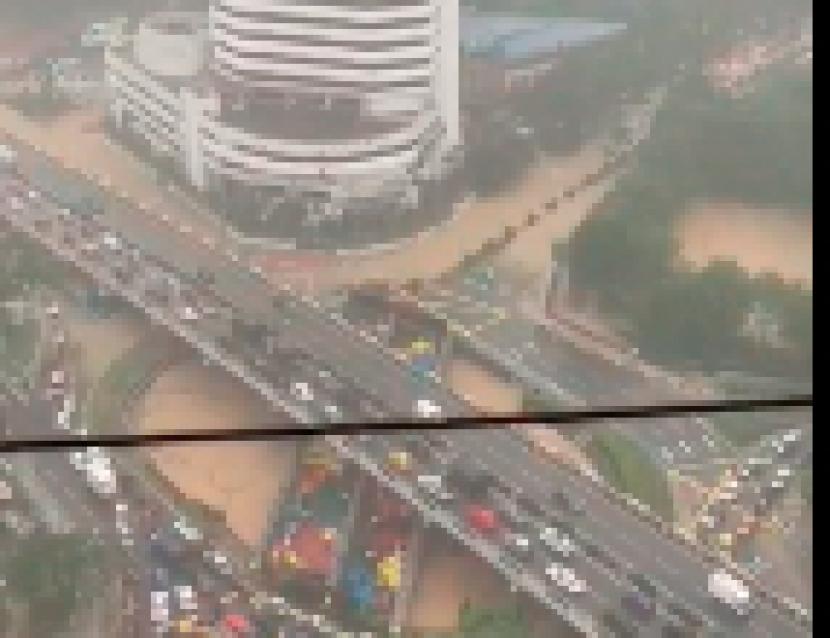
[
  {"x": 431, "y": 469},
  {"x": 190, "y": 300},
  {"x": 751, "y": 491}
]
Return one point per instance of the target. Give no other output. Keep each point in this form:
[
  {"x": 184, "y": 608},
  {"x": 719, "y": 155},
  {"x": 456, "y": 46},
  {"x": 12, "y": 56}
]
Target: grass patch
[
  {"x": 24, "y": 265},
  {"x": 628, "y": 468},
  {"x": 55, "y": 577},
  {"x": 538, "y": 404},
  {"x": 806, "y": 485},
  {"x": 743, "y": 429},
  {"x": 18, "y": 337},
  {"x": 127, "y": 375}
]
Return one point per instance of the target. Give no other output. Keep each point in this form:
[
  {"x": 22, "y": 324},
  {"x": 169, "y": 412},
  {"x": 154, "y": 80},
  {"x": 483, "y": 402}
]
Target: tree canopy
[{"x": 53, "y": 575}]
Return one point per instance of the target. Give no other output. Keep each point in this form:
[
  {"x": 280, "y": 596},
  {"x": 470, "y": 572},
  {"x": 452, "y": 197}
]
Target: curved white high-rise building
[
  {"x": 326, "y": 46},
  {"x": 343, "y": 100},
  {"x": 360, "y": 91}
]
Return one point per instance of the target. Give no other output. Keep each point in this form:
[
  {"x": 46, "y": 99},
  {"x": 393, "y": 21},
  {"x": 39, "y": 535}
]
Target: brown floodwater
[
  {"x": 760, "y": 240},
  {"x": 242, "y": 481}
]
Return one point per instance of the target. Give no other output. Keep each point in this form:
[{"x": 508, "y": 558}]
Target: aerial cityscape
[{"x": 418, "y": 318}]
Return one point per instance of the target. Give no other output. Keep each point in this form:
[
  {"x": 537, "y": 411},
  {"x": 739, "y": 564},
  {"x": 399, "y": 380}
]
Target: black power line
[{"x": 273, "y": 432}]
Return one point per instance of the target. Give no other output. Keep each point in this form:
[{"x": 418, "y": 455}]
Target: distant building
[
  {"x": 105, "y": 34},
  {"x": 20, "y": 83},
  {"x": 334, "y": 105},
  {"x": 505, "y": 54},
  {"x": 518, "y": 40},
  {"x": 79, "y": 80}
]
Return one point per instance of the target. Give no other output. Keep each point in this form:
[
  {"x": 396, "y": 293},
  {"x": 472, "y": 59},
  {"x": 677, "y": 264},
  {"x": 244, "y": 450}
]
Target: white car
[
  {"x": 57, "y": 377},
  {"x": 434, "y": 485},
  {"x": 188, "y": 532},
  {"x": 101, "y": 476},
  {"x": 302, "y": 391},
  {"x": 68, "y": 404},
  {"x": 791, "y": 436},
  {"x": 784, "y": 472},
  {"x": 332, "y": 411},
  {"x": 111, "y": 241},
  {"x": 219, "y": 560},
  {"x": 557, "y": 541},
  {"x": 62, "y": 419},
  {"x": 566, "y": 578},
  {"x": 520, "y": 542},
  {"x": 64, "y": 415},
  {"x": 159, "y": 607},
  {"x": 188, "y": 313},
  {"x": 78, "y": 460},
  {"x": 427, "y": 408},
  {"x": 122, "y": 523},
  {"x": 186, "y": 597}
]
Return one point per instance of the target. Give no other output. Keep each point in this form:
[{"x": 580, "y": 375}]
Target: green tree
[
  {"x": 502, "y": 622},
  {"x": 694, "y": 317},
  {"x": 629, "y": 469},
  {"x": 53, "y": 575},
  {"x": 621, "y": 252}
]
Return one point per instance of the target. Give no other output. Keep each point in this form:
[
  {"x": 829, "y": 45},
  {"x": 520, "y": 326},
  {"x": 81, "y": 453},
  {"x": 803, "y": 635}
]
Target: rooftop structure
[{"x": 517, "y": 39}]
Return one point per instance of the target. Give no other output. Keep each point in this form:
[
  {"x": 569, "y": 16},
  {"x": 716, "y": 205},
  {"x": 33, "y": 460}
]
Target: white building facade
[{"x": 342, "y": 99}]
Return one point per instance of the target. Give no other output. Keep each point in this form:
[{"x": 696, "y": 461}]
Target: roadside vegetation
[
  {"x": 54, "y": 577},
  {"x": 629, "y": 469},
  {"x": 534, "y": 403},
  {"x": 18, "y": 340},
  {"x": 23, "y": 271},
  {"x": 806, "y": 484},
  {"x": 126, "y": 377},
  {"x": 744, "y": 429},
  {"x": 487, "y": 622},
  {"x": 25, "y": 267}
]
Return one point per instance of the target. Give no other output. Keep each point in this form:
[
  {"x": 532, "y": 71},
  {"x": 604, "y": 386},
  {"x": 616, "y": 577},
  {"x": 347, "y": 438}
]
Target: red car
[{"x": 482, "y": 519}]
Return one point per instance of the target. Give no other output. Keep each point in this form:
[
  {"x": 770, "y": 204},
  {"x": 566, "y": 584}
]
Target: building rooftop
[{"x": 516, "y": 38}]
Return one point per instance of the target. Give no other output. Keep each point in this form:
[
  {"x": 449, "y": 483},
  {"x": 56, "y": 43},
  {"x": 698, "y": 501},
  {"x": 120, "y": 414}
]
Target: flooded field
[
  {"x": 429, "y": 255},
  {"x": 241, "y": 480},
  {"x": 759, "y": 240},
  {"x": 448, "y": 577},
  {"x": 439, "y": 251},
  {"x": 483, "y": 389}
]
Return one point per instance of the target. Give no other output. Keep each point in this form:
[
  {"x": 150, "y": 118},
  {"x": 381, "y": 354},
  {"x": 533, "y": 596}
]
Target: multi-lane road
[
  {"x": 191, "y": 310},
  {"x": 501, "y": 454},
  {"x": 557, "y": 370},
  {"x": 128, "y": 520}
]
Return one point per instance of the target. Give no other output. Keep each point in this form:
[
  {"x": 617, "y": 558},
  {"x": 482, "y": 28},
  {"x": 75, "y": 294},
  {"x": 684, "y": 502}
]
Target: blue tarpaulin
[{"x": 516, "y": 38}]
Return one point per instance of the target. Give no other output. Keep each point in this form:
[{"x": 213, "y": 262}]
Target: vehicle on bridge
[
  {"x": 8, "y": 159},
  {"x": 731, "y": 592}
]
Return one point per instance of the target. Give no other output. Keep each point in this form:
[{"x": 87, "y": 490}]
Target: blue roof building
[{"x": 515, "y": 39}]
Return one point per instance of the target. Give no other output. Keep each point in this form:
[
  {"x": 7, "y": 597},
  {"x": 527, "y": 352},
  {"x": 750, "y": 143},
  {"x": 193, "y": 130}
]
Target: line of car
[
  {"x": 138, "y": 271},
  {"x": 167, "y": 287}
]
